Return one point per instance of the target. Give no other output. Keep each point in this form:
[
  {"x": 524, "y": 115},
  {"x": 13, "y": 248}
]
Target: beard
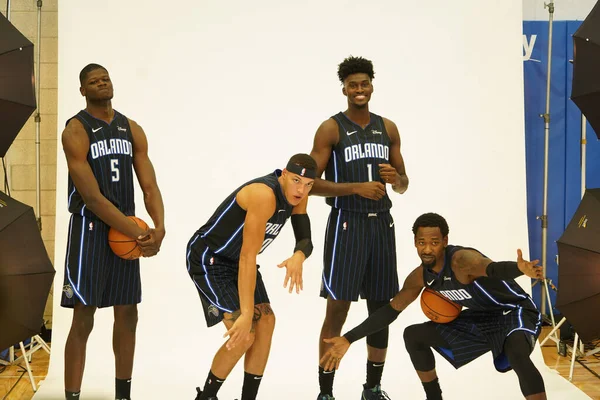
[{"x": 429, "y": 264}]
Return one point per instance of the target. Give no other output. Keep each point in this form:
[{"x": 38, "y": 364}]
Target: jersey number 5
[{"x": 114, "y": 170}]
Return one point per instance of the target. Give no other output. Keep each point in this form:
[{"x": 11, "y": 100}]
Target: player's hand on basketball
[
  {"x": 388, "y": 173},
  {"x": 293, "y": 274},
  {"x": 333, "y": 356},
  {"x": 371, "y": 190},
  {"x": 150, "y": 242},
  {"x": 529, "y": 268},
  {"x": 239, "y": 332}
]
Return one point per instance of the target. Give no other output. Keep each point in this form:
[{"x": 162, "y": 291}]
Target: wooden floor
[{"x": 14, "y": 381}]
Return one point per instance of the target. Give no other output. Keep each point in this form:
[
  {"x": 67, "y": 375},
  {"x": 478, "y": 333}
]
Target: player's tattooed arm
[
  {"x": 467, "y": 262},
  {"x": 258, "y": 200}
]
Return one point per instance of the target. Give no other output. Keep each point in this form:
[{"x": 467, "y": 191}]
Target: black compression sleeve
[
  {"x": 503, "y": 270},
  {"x": 376, "y": 322},
  {"x": 301, "y": 225}
]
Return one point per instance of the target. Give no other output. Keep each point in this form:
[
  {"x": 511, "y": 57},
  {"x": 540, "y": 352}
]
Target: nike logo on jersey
[
  {"x": 506, "y": 312},
  {"x": 328, "y": 372},
  {"x": 378, "y": 365},
  {"x": 447, "y": 278},
  {"x": 96, "y": 130},
  {"x": 258, "y": 377},
  {"x": 281, "y": 211},
  {"x": 391, "y": 224},
  {"x": 429, "y": 283},
  {"x": 350, "y": 133}
]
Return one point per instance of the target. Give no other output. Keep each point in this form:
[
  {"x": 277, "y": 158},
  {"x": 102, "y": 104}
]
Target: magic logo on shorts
[
  {"x": 213, "y": 310},
  {"x": 68, "y": 290}
]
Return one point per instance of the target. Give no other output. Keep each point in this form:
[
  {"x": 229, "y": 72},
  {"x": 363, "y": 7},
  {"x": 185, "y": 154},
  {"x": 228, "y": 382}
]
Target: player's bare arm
[
  {"x": 469, "y": 265},
  {"x": 472, "y": 264},
  {"x": 413, "y": 284},
  {"x": 394, "y": 173},
  {"x": 294, "y": 264},
  {"x": 152, "y": 196},
  {"x": 259, "y": 202},
  {"x": 326, "y": 137},
  {"x": 76, "y": 146}
]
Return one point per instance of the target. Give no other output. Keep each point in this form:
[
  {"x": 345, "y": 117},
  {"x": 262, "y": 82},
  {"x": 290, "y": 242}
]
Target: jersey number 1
[
  {"x": 114, "y": 170},
  {"x": 370, "y": 172}
]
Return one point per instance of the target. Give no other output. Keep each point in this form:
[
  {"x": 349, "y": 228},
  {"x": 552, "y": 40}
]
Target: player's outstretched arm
[
  {"x": 394, "y": 173},
  {"x": 326, "y": 137},
  {"x": 259, "y": 202},
  {"x": 76, "y": 146},
  {"x": 381, "y": 318},
  {"x": 152, "y": 196},
  {"x": 512, "y": 270}
]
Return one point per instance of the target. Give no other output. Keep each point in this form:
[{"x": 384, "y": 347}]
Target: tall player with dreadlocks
[{"x": 360, "y": 153}]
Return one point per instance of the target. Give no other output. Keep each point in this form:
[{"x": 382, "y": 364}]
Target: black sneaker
[
  {"x": 374, "y": 394},
  {"x": 325, "y": 397},
  {"x": 200, "y": 394}
]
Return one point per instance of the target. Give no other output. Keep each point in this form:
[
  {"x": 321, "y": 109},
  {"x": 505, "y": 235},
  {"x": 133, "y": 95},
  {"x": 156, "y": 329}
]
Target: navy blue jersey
[
  {"x": 482, "y": 294},
  {"x": 223, "y": 231},
  {"x": 356, "y": 158},
  {"x": 111, "y": 158}
]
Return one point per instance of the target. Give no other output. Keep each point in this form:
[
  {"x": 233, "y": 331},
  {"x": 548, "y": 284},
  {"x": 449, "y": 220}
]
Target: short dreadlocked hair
[
  {"x": 355, "y": 65},
  {"x": 431, "y": 220}
]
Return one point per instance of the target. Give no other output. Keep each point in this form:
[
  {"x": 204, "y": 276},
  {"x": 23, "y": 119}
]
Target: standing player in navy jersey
[
  {"x": 102, "y": 148},
  {"x": 359, "y": 152},
  {"x": 221, "y": 260},
  {"x": 500, "y": 318}
]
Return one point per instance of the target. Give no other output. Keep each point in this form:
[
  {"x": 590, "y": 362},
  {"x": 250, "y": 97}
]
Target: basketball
[
  {"x": 124, "y": 246},
  {"x": 438, "y": 308}
]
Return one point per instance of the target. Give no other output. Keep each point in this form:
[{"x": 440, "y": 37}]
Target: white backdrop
[{"x": 228, "y": 91}]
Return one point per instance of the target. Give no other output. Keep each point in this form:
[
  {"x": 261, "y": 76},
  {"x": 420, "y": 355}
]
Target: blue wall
[{"x": 564, "y": 162}]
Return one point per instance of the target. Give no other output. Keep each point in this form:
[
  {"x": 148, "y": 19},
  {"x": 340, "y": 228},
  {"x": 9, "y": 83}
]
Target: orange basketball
[
  {"x": 124, "y": 246},
  {"x": 438, "y": 308}
]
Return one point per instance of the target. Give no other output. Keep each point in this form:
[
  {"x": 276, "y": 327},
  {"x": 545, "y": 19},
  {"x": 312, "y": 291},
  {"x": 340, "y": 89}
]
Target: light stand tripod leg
[
  {"x": 42, "y": 343},
  {"x": 573, "y": 356},
  {"x": 28, "y": 367},
  {"x": 553, "y": 331}
]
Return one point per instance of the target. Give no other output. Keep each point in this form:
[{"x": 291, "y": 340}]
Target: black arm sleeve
[
  {"x": 301, "y": 225},
  {"x": 503, "y": 270},
  {"x": 376, "y": 322}
]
